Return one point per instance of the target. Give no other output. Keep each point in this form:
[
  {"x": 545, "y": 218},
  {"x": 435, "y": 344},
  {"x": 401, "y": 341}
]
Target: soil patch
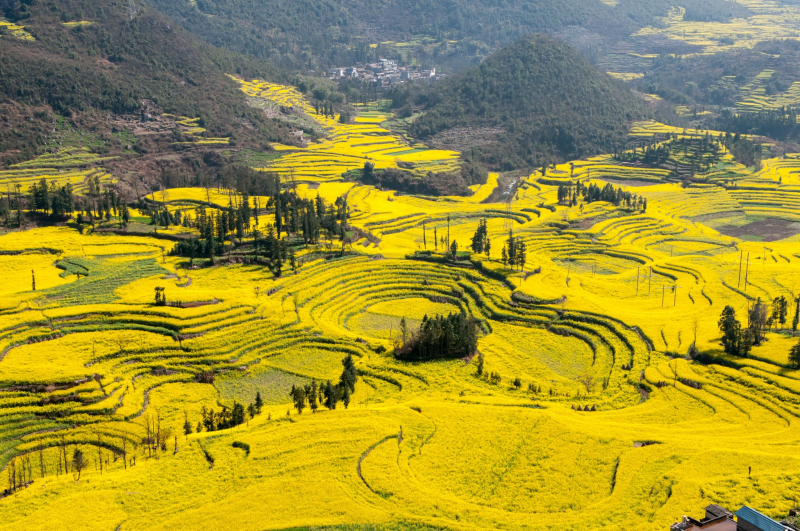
[{"x": 765, "y": 230}]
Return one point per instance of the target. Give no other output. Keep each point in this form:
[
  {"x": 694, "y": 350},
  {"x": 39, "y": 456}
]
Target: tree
[
  {"x": 278, "y": 216},
  {"x": 368, "y": 174},
  {"x": 78, "y": 462},
  {"x": 349, "y": 374},
  {"x": 673, "y": 367},
  {"x": 160, "y": 298},
  {"x": 187, "y": 426},
  {"x": 758, "y": 321},
  {"x": 313, "y": 396},
  {"x": 33, "y": 280},
  {"x": 780, "y": 308},
  {"x": 796, "y": 319},
  {"x": 480, "y": 364},
  {"x": 331, "y": 395},
  {"x": 480, "y": 240},
  {"x": 346, "y": 396},
  {"x": 298, "y": 395},
  {"x": 794, "y": 355},
  {"x": 259, "y": 402},
  {"x": 454, "y": 250},
  {"x": 731, "y": 330}
]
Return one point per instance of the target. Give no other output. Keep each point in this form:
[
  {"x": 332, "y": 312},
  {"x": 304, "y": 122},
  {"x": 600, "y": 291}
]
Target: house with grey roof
[
  {"x": 748, "y": 519},
  {"x": 720, "y": 519}
]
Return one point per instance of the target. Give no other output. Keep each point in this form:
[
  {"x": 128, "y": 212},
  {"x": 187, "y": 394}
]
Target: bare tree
[
  {"x": 673, "y": 366},
  {"x": 587, "y": 380},
  {"x": 100, "y": 452},
  {"x": 42, "y": 469},
  {"x": 695, "y": 328}
]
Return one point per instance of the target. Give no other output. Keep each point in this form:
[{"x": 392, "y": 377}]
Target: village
[{"x": 384, "y": 73}]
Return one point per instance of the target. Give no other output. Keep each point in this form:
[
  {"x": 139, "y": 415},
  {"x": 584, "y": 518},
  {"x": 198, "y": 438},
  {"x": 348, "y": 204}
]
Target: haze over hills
[{"x": 537, "y": 101}]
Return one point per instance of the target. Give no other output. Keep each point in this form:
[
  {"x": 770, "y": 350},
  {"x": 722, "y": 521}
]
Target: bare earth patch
[{"x": 765, "y": 230}]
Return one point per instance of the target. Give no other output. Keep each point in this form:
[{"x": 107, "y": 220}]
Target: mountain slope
[
  {"x": 534, "y": 102},
  {"x": 88, "y": 61},
  {"x": 317, "y": 34}
]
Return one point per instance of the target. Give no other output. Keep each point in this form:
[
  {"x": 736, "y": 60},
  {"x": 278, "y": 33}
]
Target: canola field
[
  {"x": 600, "y": 317},
  {"x": 344, "y": 147}
]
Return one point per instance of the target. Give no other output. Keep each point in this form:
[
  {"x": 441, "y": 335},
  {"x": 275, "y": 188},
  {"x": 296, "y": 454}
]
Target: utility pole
[
  {"x": 663, "y": 291},
  {"x": 739, "y": 283},
  {"x": 746, "y": 271},
  {"x": 637, "y": 281},
  {"x": 649, "y": 281}
]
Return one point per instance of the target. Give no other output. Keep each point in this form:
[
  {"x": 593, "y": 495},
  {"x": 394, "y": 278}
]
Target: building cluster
[
  {"x": 384, "y": 73},
  {"x": 721, "y": 519}
]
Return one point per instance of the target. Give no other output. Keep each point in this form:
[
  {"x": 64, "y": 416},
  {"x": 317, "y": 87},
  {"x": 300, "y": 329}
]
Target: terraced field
[
  {"x": 344, "y": 147},
  {"x": 588, "y": 412}
]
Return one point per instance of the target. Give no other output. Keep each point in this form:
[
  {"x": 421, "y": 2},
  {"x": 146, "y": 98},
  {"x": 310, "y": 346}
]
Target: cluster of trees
[
  {"x": 761, "y": 317},
  {"x": 514, "y": 252},
  {"x": 59, "y": 201},
  {"x": 780, "y": 124},
  {"x": 744, "y": 150},
  {"x": 160, "y": 296},
  {"x": 480, "y": 240},
  {"x": 51, "y": 198},
  {"x": 212, "y": 420},
  {"x": 295, "y": 215},
  {"x": 569, "y": 195},
  {"x": 451, "y": 336},
  {"x": 292, "y": 215},
  {"x": 455, "y": 183},
  {"x": 651, "y": 155},
  {"x": 328, "y": 394},
  {"x": 99, "y": 204}
]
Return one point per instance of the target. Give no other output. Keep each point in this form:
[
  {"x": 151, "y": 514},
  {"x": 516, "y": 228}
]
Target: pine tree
[
  {"x": 346, "y": 396},
  {"x": 259, "y": 402},
  {"x": 278, "y": 216},
  {"x": 349, "y": 375},
  {"x": 794, "y": 355},
  {"x": 313, "y": 396},
  {"x": 331, "y": 396},
  {"x": 187, "y": 426},
  {"x": 298, "y": 395}
]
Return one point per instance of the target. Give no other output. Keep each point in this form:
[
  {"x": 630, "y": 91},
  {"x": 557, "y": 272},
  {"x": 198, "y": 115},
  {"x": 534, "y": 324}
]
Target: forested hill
[
  {"x": 317, "y": 34},
  {"x": 536, "y": 101},
  {"x": 85, "y": 60}
]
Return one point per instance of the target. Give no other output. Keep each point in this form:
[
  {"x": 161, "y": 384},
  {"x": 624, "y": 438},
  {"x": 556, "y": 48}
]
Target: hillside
[
  {"x": 537, "y": 101},
  {"x": 317, "y": 34},
  {"x": 94, "y": 63}
]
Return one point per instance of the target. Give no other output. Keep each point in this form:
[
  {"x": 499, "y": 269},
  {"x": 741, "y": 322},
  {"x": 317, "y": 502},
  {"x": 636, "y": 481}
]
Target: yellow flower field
[
  {"x": 602, "y": 314},
  {"x": 346, "y": 147}
]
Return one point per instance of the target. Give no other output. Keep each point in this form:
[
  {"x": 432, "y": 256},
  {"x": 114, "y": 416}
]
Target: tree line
[
  {"x": 327, "y": 394},
  {"x": 738, "y": 339},
  {"x": 568, "y": 194},
  {"x": 293, "y": 215}
]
